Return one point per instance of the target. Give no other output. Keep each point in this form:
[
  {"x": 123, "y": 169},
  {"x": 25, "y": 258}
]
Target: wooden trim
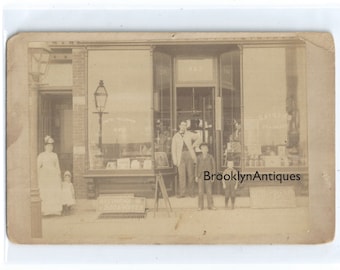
[
  {"x": 55, "y": 90},
  {"x": 125, "y": 173},
  {"x": 118, "y": 173},
  {"x": 112, "y": 46}
]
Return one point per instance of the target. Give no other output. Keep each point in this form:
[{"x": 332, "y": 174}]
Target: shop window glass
[
  {"x": 275, "y": 133},
  {"x": 231, "y": 104},
  {"x": 162, "y": 110},
  {"x": 126, "y": 124}
]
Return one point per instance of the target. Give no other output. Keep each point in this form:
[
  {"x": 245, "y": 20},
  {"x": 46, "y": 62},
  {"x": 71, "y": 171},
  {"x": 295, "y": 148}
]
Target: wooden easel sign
[{"x": 160, "y": 186}]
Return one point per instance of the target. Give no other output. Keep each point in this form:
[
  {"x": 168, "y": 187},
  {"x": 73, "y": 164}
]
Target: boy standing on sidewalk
[
  {"x": 230, "y": 185},
  {"x": 205, "y": 162}
]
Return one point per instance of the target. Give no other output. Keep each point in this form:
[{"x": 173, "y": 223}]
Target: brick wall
[{"x": 79, "y": 92}]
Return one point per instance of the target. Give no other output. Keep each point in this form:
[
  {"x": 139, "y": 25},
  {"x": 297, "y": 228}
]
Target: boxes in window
[
  {"x": 135, "y": 164},
  {"x": 272, "y": 161},
  {"x": 147, "y": 164},
  {"x": 123, "y": 163}
]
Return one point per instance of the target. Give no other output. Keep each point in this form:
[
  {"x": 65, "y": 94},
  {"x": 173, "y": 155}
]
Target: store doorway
[
  {"x": 195, "y": 105},
  {"x": 55, "y": 119}
]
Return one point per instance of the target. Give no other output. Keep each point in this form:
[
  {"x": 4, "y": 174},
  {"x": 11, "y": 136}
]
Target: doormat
[
  {"x": 272, "y": 197},
  {"x": 120, "y": 206},
  {"x": 123, "y": 215}
]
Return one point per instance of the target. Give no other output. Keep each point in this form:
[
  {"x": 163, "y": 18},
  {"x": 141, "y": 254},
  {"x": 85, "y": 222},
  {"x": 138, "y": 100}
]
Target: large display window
[
  {"x": 263, "y": 102},
  {"x": 274, "y": 99},
  {"x": 126, "y": 132}
]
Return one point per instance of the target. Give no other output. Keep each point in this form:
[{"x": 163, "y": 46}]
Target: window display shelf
[
  {"x": 119, "y": 173},
  {"x": 128, "y": 172}
]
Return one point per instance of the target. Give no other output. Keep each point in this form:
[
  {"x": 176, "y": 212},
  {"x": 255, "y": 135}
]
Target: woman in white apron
[{"x": 49, "y": 180}]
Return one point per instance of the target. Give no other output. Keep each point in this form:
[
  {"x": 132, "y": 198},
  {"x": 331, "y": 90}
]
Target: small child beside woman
[{"x": 67, "y": 193}]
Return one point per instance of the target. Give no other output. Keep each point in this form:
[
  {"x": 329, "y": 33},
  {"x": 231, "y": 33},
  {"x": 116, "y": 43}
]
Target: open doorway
[
  {"x": 55, "y": 119},
  {"x": 195, "y": 105}
]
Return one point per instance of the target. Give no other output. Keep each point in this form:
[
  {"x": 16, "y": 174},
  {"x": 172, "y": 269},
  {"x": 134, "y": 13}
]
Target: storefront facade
[{"x": 246, "y": 97}]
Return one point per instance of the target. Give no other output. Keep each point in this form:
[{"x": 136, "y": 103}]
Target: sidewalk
[{"x": 185, "y": 225}]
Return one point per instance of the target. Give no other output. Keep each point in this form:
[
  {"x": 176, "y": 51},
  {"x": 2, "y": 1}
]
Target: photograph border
[{"x": 293, "y": 20}]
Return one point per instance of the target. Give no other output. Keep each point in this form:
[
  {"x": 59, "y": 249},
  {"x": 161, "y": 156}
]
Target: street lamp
[
  {"x": 100, "y": 98},
  {"x": 40, "y": 55}
]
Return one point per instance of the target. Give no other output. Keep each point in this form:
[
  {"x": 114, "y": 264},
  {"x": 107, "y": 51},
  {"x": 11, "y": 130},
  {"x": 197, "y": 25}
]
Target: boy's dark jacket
[{"x": 205, "y": 164}]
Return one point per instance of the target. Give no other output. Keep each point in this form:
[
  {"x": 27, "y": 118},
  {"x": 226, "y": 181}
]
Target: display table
[{"x": 137, "y": 182}]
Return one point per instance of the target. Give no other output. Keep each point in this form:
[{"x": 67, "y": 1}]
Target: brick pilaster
[{"x": 79, "y": 92}]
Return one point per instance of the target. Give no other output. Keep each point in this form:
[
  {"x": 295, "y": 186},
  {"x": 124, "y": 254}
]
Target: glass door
[{"x": 195, "y": 105}]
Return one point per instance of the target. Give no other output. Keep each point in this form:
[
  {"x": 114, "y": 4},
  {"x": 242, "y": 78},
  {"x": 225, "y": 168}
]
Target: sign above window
[{"x": 195, "y": 70}]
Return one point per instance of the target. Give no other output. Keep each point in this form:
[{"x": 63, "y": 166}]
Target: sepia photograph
[{"x": 170, "y": 138}]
